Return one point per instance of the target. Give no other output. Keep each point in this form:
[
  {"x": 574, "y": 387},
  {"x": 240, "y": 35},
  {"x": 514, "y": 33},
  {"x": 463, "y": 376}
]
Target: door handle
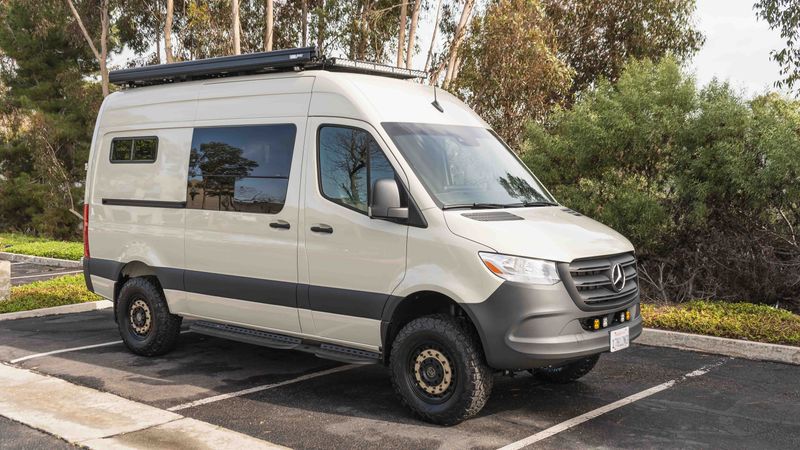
[
  {"x": 280, "y": 224},
  {"x": 322, "y": 228}
]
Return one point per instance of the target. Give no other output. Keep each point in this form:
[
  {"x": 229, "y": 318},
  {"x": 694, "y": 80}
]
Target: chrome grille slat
[
  {"x": 590, "y": 268},
  {"x": 589, "y": 281},
  {"x": 592, "y": 280}
]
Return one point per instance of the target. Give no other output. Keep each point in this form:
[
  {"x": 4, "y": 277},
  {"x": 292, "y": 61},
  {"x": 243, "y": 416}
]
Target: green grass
[
  {"x": 45, "y": 294},
  {"x": 748, "y": 321},
  {"x": 29, "y": 245}
]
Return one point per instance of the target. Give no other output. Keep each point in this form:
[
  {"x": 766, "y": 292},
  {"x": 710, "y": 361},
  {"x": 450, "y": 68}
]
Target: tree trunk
[
  {"x": 458, "y": 37},
  {"x": 433, "y": 36},
  {"x": 270, "y": 26},
  {"x": 401, "y": 38},
  {"x": 321, "y": 27},
  {"x": 102, "y": 55},
  {"x": 168, "y": 31},
  {"x": 237, "y": 43},
  {"x": 412, "y": 32},
  {"x": 305, "y": 23},
  {"x": 360, "y": 47},
  {"x": 104, "y": 48},
  {"x": 158, "y": 45}
]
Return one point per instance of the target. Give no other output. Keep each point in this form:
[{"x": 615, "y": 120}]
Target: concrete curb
[
  {"x": 90, "y": 418},
  {"x": 41, "y": 260},
  {"x": 723, "y": 346},
  {"x": 66, "y": 309}
]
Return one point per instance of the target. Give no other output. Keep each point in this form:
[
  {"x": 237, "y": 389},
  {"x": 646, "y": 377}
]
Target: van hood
[{"x": 554, "y": 233}]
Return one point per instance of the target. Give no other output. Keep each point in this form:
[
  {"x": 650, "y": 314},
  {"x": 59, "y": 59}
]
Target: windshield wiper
[
  {"x": 474, "y": 206},
  {"x": 497, "y": 205}
]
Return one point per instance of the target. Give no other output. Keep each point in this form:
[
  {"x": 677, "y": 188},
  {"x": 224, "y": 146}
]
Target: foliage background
[{"x": 705, "y": 183}]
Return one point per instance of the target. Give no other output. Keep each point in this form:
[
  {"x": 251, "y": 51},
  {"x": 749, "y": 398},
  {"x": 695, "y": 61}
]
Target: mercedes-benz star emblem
[{"x": 617, "y": 277}]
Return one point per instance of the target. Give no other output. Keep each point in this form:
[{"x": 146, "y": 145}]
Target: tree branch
[{"x": 83, "y": 29}]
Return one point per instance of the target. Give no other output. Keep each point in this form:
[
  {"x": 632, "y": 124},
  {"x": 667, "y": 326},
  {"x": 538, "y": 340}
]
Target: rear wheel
[
  {"x": 438, "y": 369},
  {"x": 144, "y": 320},
  {"x": 567, "y": 373}
]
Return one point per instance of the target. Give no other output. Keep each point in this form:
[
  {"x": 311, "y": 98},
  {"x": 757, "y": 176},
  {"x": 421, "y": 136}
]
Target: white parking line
[
  {"x": 265, "y": 387},
  {"x": 566, "y": 425},
  {"x": 56, "y": 352},
  {"x": 47, "y": 274},
  {"x": 72, "y": 349}
]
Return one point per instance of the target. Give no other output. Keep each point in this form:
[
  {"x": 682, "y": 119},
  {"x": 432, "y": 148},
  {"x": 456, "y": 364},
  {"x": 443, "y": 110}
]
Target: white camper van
[{"x": 340, "y": 208}]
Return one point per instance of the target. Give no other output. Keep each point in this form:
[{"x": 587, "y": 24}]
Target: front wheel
[
  {"x": 145, "y": 323},
  {"x": 439, "y": 371},
  {"x": 567, "y": 373}
]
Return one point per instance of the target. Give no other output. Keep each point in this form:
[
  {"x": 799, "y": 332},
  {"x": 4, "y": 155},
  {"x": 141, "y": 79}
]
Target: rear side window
[
  {"x": 134, "y": 149},
  {"x": 241, "y": 168},
  {"x": 350, "y": 161}
]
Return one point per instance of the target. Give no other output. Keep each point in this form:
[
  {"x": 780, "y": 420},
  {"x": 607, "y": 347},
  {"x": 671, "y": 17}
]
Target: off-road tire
[
  {"x": 164, "y": 327},
  {"x": 471, "y": 377},
  {"x": 568, "y": 372}
]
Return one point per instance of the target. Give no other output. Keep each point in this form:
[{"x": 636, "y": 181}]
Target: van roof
[
  {"x": 372, "y": 99},
  {"x": 295, "y": 59}
]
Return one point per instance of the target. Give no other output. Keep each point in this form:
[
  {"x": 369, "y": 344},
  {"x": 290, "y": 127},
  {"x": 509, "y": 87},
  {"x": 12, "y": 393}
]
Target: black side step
[
  {"x": 247, "y": 335},
  {"x": 347, "y": 354},
  {"x": 280, "y": 341}
]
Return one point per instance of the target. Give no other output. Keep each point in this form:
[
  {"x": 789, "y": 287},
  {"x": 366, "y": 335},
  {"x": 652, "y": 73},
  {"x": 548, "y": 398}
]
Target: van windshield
[{"x": 466, "y": 167}]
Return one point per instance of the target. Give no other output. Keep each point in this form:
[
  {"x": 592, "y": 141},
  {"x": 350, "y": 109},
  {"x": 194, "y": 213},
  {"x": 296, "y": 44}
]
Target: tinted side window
[
  {"x": 134, "y": 149},
  {"x": 350, "y": 161},
  {"x": 144, "y": 149},
  {"x": 243, "y": 168}
]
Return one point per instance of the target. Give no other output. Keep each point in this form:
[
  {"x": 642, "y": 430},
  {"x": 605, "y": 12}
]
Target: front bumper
[{"x": 524, "y": 326}]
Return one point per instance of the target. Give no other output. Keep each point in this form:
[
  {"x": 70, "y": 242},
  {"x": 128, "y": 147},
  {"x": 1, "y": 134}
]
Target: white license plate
[{"x": 620, "y": 339}]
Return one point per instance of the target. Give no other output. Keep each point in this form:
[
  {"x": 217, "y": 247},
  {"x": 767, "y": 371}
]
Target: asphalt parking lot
[
  {"x": 297, "y": 400},
  {"x": 24, "y": 272}
]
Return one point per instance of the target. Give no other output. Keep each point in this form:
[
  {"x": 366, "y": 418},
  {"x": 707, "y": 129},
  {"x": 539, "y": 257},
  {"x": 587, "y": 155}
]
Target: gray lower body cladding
[
  {"x": 369, "y": 305},
  {"x": 526, "y": 326},
  {"x": 521, "y": 326}
]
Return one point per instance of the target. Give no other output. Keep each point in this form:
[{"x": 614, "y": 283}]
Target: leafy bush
[
  {"x": 45, "y": 294},
  {"x": 704, "y": 183},
  {"x": 29, "y": 245},
  {"x": 747, "y": 321}
]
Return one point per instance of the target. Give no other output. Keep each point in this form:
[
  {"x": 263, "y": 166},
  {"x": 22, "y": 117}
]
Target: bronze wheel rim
[
  {"x": 141, "y": 319},
  {"x": 431, "y": 373}
]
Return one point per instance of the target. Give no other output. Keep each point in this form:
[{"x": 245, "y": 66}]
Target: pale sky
[
  {"x": 736, "y": 49},
  {"x": 737, "y": 46}
]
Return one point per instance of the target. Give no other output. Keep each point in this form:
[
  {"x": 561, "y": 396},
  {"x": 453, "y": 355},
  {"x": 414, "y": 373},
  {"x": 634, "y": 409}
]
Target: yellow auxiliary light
[
  {"x": 628, "y": 315},
  {"x": 596, "y": 324}
]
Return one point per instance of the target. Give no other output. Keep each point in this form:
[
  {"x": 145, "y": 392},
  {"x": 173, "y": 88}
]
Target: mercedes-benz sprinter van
[{"x": 336, "y": 207}]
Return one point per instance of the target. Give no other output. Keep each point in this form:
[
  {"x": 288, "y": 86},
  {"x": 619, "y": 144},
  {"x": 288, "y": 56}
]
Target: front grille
[{"x": 589, "y": 281}]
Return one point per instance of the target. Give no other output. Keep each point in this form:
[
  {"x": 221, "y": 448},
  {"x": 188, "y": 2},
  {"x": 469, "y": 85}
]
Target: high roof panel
[{"x": 304, "y": 58}]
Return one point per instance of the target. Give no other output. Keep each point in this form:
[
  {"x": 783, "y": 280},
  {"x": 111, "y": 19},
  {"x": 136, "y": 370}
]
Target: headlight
[{"x": 521, "y": 270}]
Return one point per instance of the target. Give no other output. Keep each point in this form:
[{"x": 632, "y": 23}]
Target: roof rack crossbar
[{"x": 304, "y": 58}]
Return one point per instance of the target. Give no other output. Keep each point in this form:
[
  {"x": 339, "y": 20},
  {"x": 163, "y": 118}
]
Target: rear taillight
[{"x": 86, "y": 231}]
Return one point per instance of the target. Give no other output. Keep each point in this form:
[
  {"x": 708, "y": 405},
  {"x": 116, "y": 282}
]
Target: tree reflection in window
[
  {"x": 520, "y": 189},
  {"x": 243, "y": 169},
  {"x": 349, "y": 162}
]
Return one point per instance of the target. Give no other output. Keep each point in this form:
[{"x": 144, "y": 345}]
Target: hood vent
[
  {"x": 569, "y": 211},
  {"x": 494, "y": 216}
]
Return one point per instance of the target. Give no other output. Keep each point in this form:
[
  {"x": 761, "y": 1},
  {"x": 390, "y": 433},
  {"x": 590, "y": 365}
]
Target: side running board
[
  {"x": 280, "y": 341},
  {"x": 247, "y": 335}
]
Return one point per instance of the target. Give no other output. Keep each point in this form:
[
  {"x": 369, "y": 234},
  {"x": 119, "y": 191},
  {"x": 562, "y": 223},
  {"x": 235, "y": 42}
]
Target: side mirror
[{"x": 386, "y": 200}]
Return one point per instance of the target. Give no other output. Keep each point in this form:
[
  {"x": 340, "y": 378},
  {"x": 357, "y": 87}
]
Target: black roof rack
[{"x": 304, "y": 58}]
